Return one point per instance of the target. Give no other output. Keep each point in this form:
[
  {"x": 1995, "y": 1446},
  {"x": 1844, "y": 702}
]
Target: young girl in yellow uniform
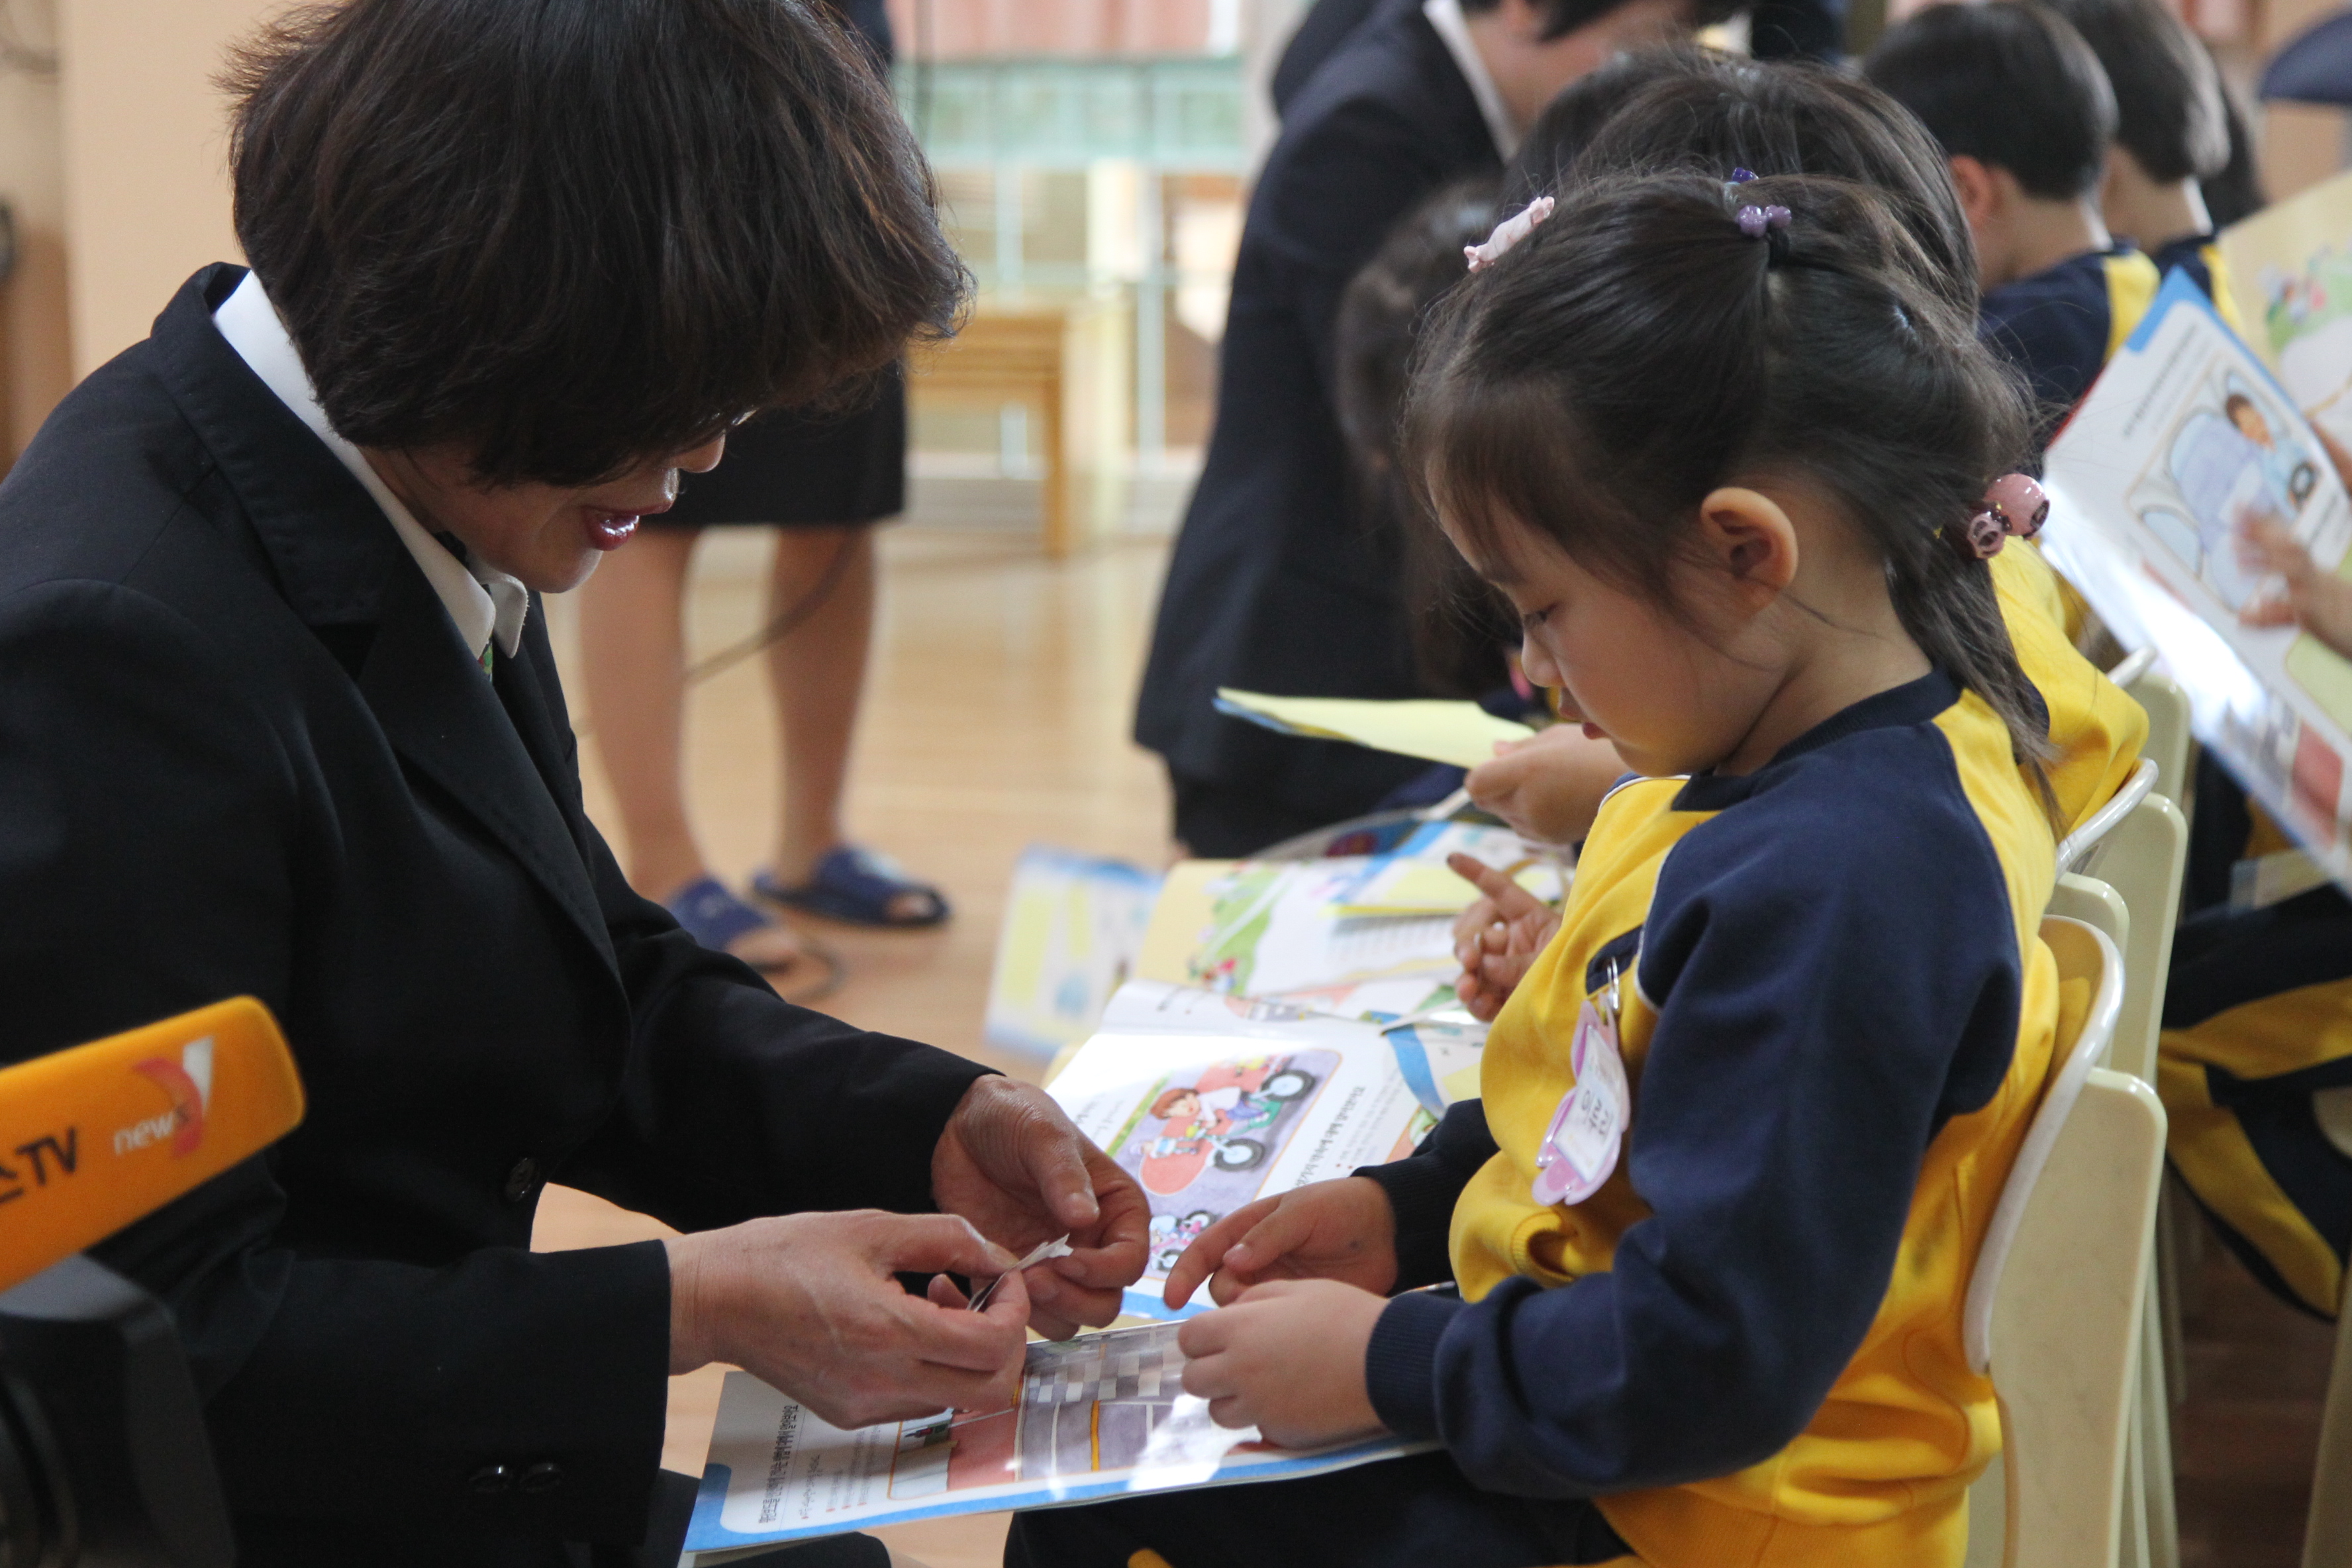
[{"x": 1728, "y": 449}]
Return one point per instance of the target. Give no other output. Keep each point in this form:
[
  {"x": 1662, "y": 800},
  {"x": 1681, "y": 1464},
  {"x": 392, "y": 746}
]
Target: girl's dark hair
[
  {"x": 2010, "y": 84},
  {"x": 1461, "y": 626},
  {"x": 1639, "y": 350},
  {"x": 568, "y": 235},
  {"x": 1720, "y": 115}
]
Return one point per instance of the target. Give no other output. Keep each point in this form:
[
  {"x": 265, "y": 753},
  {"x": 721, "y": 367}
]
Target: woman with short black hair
[{"x": 281, "y": 720}]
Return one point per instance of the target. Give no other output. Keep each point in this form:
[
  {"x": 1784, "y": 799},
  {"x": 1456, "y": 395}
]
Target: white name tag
[{"x": 1579, "y": 1148}]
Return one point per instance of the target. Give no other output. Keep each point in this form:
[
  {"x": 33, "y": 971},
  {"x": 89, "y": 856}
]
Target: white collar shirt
[
  {"x": 484, "y": 604},
  {"x": 1454, "y": 31}
]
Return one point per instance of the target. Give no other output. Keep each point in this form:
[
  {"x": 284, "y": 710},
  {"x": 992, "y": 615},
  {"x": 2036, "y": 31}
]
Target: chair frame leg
[
  {"x": 2327, "y": 1532},
  {"x": 2153, "y": 1446}
]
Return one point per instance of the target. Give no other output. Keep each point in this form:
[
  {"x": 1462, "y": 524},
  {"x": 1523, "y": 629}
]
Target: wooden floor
[
  {"x": 2244, "y": 1440},
  {"x": 997, "y": 718}
]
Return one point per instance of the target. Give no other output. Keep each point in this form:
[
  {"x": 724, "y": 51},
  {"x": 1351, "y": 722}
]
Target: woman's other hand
[
  {"x": 1497, "y": 938},
  {"x": 809, "y": 1304},
  {"x": 1011, "y": 1162},
  {"x": 1288, "y": 1359},
  {"x": 1342, "y": 1230},
  {"x": 1549, "y": 785},
  {"x": 2320, "y": 602}
]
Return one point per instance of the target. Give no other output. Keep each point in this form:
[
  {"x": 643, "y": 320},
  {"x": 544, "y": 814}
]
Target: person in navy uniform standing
[
  {"x": 282, "y": 720},
  {"x": 1278, "y": 583}
]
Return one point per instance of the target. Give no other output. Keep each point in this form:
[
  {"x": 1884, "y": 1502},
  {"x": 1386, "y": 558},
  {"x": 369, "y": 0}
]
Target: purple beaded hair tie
[{"x": 1755, "y": 222}]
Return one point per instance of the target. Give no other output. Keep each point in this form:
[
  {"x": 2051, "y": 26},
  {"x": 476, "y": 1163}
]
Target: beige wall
[
  {"x": 36, "y": 363},
  {"x": 146, "y": 151}
]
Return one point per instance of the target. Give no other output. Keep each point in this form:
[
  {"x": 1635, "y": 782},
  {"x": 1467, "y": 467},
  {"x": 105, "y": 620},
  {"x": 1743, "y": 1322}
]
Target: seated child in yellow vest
[
  {"x": 1726, "y": 448},
  {"x": 1715, "y": 113},
  {"x": 2025, "y": 115}
]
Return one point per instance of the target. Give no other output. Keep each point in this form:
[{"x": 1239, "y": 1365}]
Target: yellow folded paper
[
  {"x": 1462, "y": 734},
  {"x": 1432, "y": 888}
]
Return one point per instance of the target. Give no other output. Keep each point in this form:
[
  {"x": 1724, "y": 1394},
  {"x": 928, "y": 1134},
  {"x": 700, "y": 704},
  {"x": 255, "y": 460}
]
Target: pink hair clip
[
  {"x": 1508, "y": 233},
  {"x": 2014, "y": 505},
  {"x": 1755, "y": 221}
]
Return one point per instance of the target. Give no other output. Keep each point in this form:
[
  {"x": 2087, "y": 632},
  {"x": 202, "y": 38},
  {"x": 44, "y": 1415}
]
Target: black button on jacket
[{"x": 243, "y": 751}]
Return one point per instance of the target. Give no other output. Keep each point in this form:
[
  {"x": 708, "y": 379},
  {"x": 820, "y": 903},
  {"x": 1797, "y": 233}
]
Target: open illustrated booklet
[
  {"x": 1211, "y": 1101},
  {"x": 2184, "y": 438}
]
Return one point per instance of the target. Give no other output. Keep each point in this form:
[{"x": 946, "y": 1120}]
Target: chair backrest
[
  {"x": 2096, "y": 904},
  {"x": 2168, "y": 724},
  {"x": 2075, "y": 845},
  {"x": 2084, "y": 954},
  {"x": 2054, "y": 1308},
  {"x": 2142, "y": 856}
]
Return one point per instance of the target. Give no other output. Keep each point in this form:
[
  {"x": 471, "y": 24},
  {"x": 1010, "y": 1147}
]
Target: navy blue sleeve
[
  {"x": 1833, "y": 981},
  {"x": 1425, "y": 1184},
  {"x": 2054, "y": 328}
]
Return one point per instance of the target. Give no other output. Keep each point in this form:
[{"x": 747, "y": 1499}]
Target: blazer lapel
[
  {"x": 443, "y": 716},
  {"x": 341, "y": 566}
]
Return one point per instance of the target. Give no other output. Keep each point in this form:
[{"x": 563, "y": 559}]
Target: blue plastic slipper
[
  {"x": 717, "y": 919},
  {"x": 858, "y": 887}
]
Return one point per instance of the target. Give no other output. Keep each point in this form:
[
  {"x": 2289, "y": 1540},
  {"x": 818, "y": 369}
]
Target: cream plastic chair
[
  {"x": 2055, "y": 1309},
  {"x": 2168, "y": 719},
  {"x": 2139, "y": 843}
]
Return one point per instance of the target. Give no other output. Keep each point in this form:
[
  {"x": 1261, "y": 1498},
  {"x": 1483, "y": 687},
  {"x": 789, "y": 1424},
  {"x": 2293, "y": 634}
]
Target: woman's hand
[
  {"x": 1497, "y": 938},
  {"x": 1288, "y": 1359},
  {"x": 1549, "y": 785},
  {"x": 1342, "y": 1230},
  {"x": 1011, "y": 1162},
  {"x": 808, "y": 1303},
  {"x": 2319, "y": 601}
]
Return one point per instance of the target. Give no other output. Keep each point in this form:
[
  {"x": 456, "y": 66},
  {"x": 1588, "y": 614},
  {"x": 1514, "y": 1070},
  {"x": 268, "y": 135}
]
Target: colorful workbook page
[
  {"x": 1313, "y": 932},
  {"x": 1073, "y": 932},
  {"x": 1213, "y": 1102},
  {"x": 1462, "y": 734},
  {"x": 2289, "y": 272},
  {"x": 1100, "y": 1415},
  {"x": 2184, "y": 439}
]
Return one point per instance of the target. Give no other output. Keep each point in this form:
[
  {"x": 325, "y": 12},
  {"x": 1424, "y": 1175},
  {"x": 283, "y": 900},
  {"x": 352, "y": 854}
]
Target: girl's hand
[
  {"x": 1342, "y": 1230},
  {"x": 2319, "y": 601},
  {"x": 1288, "y": 1359},
  {"x": 1548, "y": 786},
  {"x": 1497, "y": 938}
]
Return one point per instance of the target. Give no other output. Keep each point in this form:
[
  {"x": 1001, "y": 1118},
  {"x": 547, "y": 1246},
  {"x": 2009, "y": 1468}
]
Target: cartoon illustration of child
[
  {"x": 1207, "y": 1114},
  {"x": 2231, "y": 470}
]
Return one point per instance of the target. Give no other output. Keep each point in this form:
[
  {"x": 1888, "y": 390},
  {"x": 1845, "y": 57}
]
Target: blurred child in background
[
  {"x": 2025, "y": 118},
  {"x": 2172, "y": 133}
]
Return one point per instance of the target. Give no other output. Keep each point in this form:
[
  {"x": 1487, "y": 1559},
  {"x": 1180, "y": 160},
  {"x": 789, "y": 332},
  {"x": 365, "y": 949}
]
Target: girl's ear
[{"x": 1745, "y": 533}]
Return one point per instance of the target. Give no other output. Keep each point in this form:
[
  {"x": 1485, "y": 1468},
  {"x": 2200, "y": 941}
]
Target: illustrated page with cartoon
[
  {"x": 2186, "y": 442},
  {"x": 1212, "y": 1101},
  {"x": 1098, "y": 1415}
]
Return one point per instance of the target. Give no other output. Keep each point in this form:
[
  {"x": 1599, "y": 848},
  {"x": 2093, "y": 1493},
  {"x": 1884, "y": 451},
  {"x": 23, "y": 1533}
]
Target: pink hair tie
[
  {"x": 1508, "y": 233},
  {"x": 2014, "y": 505}
]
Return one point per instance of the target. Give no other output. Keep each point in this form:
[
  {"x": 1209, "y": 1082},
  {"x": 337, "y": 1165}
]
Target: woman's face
[{"x": 548, "y": 536}]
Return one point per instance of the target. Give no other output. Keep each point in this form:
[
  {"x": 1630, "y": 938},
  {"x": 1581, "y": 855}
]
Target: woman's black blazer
[{"x": 243, "y": 752}]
